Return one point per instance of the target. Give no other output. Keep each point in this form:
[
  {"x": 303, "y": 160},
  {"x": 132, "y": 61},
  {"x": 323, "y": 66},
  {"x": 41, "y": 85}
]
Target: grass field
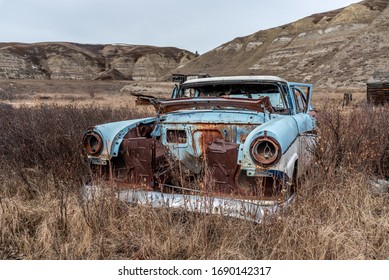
[{"x": 337, "y": 214}]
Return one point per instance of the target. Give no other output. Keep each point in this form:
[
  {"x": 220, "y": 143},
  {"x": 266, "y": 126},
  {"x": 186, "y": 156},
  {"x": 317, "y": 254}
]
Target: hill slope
[
  {"x": 335, "y": 49},
  {"x": 85, "y": 62}
]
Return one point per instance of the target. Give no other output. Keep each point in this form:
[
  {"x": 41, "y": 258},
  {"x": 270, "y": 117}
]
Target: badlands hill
[
  {"x": 340, "y": 49},
  {"x": 86, "y": 62},
  {"x": 336, "y": 49}
]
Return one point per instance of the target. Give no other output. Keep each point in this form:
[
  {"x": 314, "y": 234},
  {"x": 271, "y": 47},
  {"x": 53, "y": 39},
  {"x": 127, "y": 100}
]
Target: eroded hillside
[
  {"x": 335, "y": 49},
  {"x": 85, "y": 62}
]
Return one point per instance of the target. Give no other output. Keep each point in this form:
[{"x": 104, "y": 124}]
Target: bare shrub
[
  {"x": 358, "y": 140},
  {"x": 35, "y": 142}
]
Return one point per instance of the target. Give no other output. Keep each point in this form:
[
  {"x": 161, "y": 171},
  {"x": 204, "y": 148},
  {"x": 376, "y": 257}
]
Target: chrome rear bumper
[{"x": 251, "y": 210}]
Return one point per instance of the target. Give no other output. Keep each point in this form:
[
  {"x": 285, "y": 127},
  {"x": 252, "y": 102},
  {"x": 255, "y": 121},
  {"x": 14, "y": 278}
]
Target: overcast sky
[{"x": 197, "y": 25}]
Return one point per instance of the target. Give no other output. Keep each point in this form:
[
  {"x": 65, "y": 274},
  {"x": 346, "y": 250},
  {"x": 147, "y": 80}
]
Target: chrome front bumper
[{"x": 250, "y": 210}]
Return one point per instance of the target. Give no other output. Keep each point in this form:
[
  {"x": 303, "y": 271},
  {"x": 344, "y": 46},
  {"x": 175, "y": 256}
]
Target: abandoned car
[{"x": 229, "y": 145}]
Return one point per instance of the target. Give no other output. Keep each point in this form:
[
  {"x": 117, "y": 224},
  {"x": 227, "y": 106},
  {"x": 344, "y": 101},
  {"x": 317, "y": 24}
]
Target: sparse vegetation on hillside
[
  {"x": 333, "y": 49},
  {"x": 42, "y": 216}
]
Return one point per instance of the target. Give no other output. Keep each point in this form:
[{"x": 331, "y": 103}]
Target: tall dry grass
[{"x": 335, "y": 215}]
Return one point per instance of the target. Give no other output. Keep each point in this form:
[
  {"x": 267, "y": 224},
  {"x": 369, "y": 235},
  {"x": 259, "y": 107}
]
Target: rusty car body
[{"x": 229, "y": 145}]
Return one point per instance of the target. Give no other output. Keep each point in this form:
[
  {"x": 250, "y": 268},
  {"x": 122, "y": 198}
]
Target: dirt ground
[
  {"x": 81, "y": 93},
  {"x": 117, "y": 93}
]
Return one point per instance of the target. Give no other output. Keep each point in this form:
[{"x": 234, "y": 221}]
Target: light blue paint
[{"x": 113, "y": 133}]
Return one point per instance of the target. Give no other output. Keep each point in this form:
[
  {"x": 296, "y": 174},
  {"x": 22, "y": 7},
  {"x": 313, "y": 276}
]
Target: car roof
[{"x": 232, "y": 79}]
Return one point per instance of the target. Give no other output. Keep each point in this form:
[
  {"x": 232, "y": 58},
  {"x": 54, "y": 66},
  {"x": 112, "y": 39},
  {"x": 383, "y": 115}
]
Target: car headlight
[
  {"x": 265, "y": 151},
  {"x": 93, "y": 143}
]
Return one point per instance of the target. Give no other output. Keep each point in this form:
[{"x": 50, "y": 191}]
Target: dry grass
[
  {"x": 19, "y": 93},
  {"x": 335, "y": 216}
]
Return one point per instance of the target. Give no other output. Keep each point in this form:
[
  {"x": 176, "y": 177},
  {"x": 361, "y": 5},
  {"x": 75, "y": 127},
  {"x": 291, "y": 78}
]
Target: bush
[
  {"x": 357, "y": 140},
  {"x": 46, "y": 141}
]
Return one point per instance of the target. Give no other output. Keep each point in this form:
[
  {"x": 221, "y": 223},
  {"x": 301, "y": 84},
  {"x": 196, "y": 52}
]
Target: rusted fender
[{"x": 113, "y": 134}]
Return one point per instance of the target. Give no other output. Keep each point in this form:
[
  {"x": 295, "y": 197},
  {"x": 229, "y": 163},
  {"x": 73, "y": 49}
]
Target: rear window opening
[{"x": 251, "y": 91}]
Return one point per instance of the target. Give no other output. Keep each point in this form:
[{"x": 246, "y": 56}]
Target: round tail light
[
  {"x": 265, "y": 151},
  {"x": 93, "y": 143}
]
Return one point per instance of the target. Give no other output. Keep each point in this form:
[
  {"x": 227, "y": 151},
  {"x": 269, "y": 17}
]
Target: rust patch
[
  {"x": 242, "y": 138},
  {"x": 222, "y": 163},
  {"x": 205, "y": 138},
  {"x": 258, "y": 105},
  {"x": 140, "y": 155}
]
